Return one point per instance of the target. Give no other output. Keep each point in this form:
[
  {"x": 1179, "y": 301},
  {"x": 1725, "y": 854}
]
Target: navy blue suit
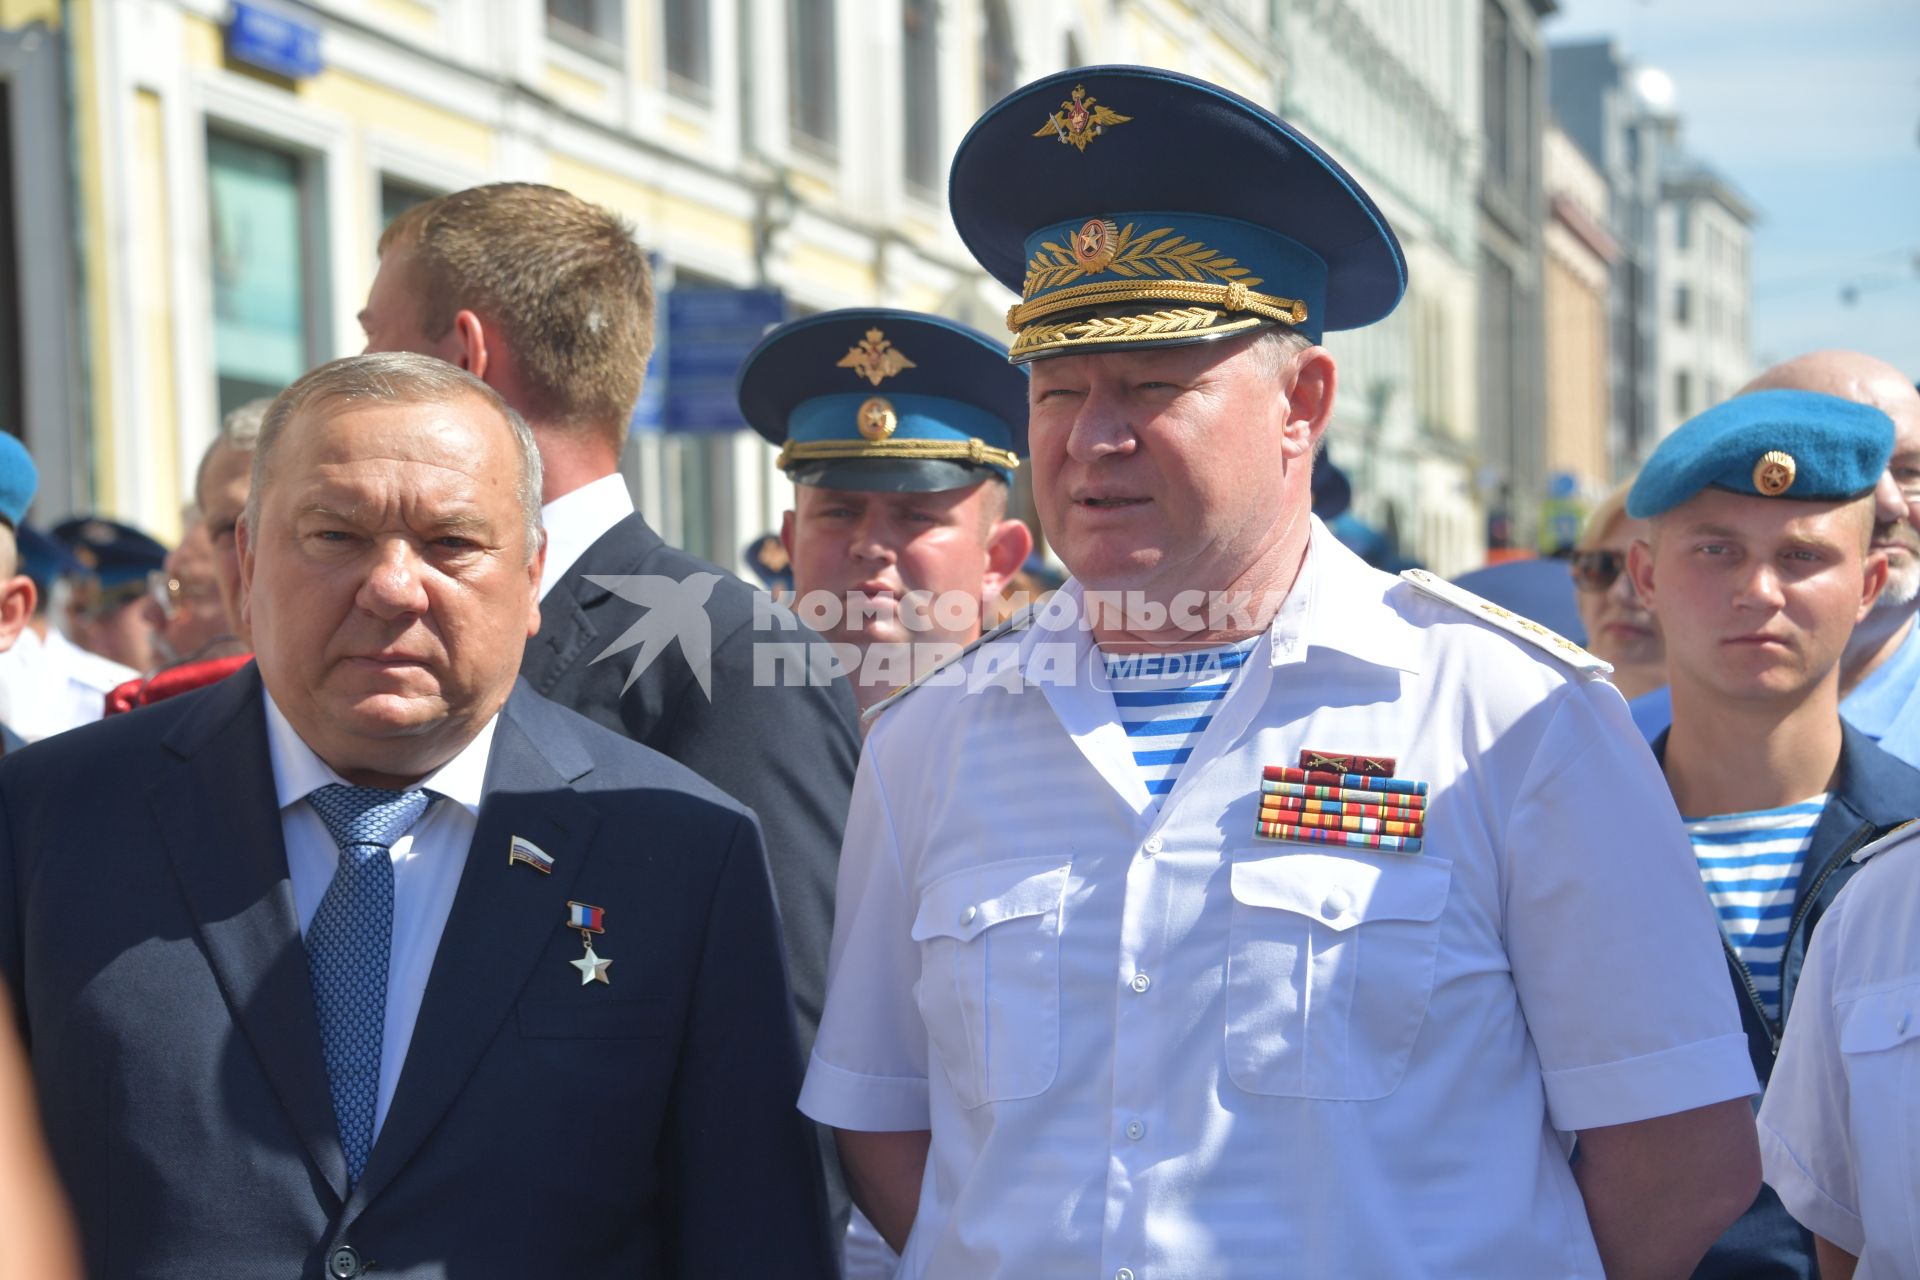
[{"x": 539, "y": 1128}]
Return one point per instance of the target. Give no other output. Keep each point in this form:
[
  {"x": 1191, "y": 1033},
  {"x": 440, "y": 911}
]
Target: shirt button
[
  {"x": 1140, "y": 982},
  {"x": 1336, "y": 904},
  {"x": 1124, "y": 1273},
  {"x": 1152, "y": 846},
  {"x": 1136, "y": 1130},
  {"x": 967, "y": 916}
]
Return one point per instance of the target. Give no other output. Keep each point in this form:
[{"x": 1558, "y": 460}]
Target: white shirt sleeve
[
  {"x": 1614, "y": 947},
  {"x": 1806, "y": 1145},
  {"x": 869, "y": 1065}
]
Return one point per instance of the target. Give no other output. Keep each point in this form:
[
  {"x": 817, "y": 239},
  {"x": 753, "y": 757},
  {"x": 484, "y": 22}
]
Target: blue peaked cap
[
  {"x": 878, "y": 399},
  {"x": 1768, "y": 444},
  {"x": 1133, "y": 206}
]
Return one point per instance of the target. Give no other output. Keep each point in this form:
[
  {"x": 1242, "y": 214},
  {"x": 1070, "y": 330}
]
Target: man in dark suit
[
  {"x": 547, "y": 298},
  {"x": 385, "y": 963}
]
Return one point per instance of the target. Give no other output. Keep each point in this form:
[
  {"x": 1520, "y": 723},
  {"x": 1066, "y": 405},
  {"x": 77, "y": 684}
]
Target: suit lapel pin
[
  {"x": 589, "y": 921},
  {"x": 1336, "y": 798},
  {"x": 527, "y": 853}
]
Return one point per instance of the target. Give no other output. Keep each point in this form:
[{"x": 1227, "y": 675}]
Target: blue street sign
[
  {"x": 708, "y": 332},
  {"x": 272, "y": 41}
]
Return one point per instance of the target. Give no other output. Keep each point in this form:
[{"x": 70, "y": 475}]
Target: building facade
[
  {"x": 1580, "y": 255},
  {"x": 1513, "y": 75},
  {"x": 197, "y": 188},
  {"x": 1389, "y": 87},
  {"x": 1705, "y": 234}
]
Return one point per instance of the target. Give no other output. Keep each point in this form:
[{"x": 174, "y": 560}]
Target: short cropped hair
[
  {"x": 562, "y": 279},
  {"x": 395, "y": 377}
]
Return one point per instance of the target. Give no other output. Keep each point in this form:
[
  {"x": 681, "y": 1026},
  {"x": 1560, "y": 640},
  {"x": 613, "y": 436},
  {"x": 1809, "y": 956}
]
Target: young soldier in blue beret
[
  {"x": 901, "y": 433},
  {"x": 1758, "y": 566},
  {"x": 1250, "y": 911}
]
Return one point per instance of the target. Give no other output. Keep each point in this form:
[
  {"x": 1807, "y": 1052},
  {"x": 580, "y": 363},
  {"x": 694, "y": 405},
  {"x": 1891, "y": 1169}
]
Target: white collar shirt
[
  {"x": 52, "y": 685},
  {"x": 574, "y": 521},
  {"x": 1151, "y": 1046},
  {"x": 427, "y": 863},
  {"x": 1839, "y": 1123}
]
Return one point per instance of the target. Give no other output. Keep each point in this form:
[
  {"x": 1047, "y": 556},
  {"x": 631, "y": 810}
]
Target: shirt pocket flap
[
  {"x": 1343, "y": 892},
  {"x": 960, "y": 905},
  {"x": 1882, "y": 1020}
]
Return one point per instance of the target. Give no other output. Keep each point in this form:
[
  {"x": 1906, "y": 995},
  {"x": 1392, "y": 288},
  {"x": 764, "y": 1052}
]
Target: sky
[{"x": 1811, "y": 108}]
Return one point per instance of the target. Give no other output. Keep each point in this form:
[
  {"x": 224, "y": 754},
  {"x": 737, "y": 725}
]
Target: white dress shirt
[
  {"x": 574, "y": 521},
  {"x": 427, "y": 863},
  {"x": 52, "y": 685},
  {"x": 1840, "y": 1126},
  {"x": 1151, "y": 1046}
]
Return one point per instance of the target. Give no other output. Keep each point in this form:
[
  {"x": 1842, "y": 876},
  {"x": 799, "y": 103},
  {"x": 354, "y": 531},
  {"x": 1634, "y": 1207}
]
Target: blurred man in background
[{"x": 106, "y": 613}]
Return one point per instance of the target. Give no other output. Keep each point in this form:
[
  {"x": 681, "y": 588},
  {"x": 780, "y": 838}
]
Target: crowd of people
[{"x": 492, "y": 889}]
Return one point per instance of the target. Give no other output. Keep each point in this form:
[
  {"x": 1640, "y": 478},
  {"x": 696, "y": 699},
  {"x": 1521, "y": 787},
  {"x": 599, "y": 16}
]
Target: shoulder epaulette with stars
[
  {"x": 1017, "y": 623},
  {"x": 1510, "y": 622}
]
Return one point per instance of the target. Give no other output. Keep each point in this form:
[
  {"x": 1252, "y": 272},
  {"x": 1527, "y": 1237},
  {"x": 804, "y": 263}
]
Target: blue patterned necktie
[{"x": 348, "y": 944}]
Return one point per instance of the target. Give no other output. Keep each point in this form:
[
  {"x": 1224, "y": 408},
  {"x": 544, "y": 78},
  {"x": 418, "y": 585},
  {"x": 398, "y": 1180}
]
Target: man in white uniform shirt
[{"x": 1276, "y": 917}]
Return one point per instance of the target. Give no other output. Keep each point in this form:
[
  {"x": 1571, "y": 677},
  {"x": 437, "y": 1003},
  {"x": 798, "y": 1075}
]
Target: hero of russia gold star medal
[{"x": 589, "y": 921}]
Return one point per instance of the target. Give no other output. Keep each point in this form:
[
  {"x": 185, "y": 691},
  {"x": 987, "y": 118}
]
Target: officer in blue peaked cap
[
  {"x": 902, "y": 433},
  {"x": 105, "y": 615},
  {"x": 1241, "y": 902}
]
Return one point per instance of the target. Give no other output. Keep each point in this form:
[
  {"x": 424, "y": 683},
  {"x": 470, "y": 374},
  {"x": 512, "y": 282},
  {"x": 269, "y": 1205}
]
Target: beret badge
[{"x": 1773, "y": 474}]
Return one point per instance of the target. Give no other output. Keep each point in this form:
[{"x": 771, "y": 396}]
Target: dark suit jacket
[
  {"x": 539, "y": 1128},
  {"x": 788, "y": 753},
  {"x": 1872, "y": 792}
]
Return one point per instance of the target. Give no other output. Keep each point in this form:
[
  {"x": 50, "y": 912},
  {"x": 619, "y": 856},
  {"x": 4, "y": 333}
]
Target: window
[
  {"x": 920, "y": 95},
  {"x": 1495, "y": 92},
  {"x": 999, "y": 69},
  {"x": 264, "y": 281},
  {"x": 1682, "y": 225},
  {"x": 397, "y": 195},
  {"x": 1682, "y": 393},
  {"x": 1682, "y": 306},
  {"x": 688, "y": 67},
  {"x": 591, "y": 26},
  {"x": 810, "y": 75}
]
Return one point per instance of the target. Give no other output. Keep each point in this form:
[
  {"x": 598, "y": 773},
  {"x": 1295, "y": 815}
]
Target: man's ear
[
  {"x": 17, "y": 598},
  {"x": 786, "y": 533},
  {"x": 1640, "y": 569},
  {"x": 470, "y": 336},
  {"x": 536, "y": 566},
  {"x": 1009, "y": 543},
  {"x": 1310, "y": 400},
  {"x": 1873, "y": 582}
]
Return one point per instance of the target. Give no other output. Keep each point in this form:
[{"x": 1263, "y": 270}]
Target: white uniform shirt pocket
[
  {"x": 989, "y": 988},
  {"x": 1330, "y": 965}
]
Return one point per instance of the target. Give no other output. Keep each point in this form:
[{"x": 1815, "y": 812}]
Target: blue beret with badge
[
  {"x": 108, "y": 551},
  {"x": 1133, "y": 206},
  {"x": 1768, "y": 444},
  {"x": 883, "y": 400},
  {"x": 18, "y": 479}
]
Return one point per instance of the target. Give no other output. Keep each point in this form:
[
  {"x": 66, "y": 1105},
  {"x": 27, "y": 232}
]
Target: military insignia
[
  {"x": 588, "y": 920},
  {"x": 1508, "y": 621},
  {"x": 1322, "y": 801},
  {"x": 876, "y": 418},
  {"x": 1773, "y": 474},
  {"x": 1095, "y": 243},
  {"x": 874, "y": 358},
  {"x": 1080, "y": 120},
  {"x": 527, "y": 853}
]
